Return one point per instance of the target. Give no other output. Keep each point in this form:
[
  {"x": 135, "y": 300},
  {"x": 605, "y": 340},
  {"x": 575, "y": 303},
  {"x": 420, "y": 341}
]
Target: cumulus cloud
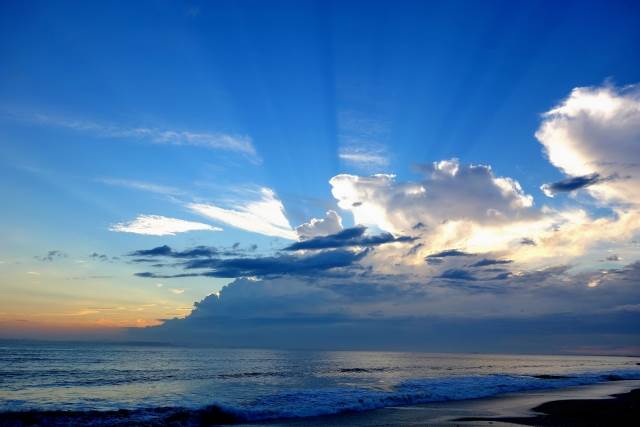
[
  {"x": 449, "y": 191},
  {"x": 263, "y": 213},
  {"x": 462, "y": 206},
  {"x": 349, "y": 237},
  {"x": 157, "y": 225},
  {"x": 595, "y": 132},
  {"x": 479, "y": 247},
  {"x": 330, "y": 224},
  {"x": 346, "y": 310}
]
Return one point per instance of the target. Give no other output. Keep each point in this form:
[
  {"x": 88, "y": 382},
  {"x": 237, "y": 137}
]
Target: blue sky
[{"x": 110, "y": 111}]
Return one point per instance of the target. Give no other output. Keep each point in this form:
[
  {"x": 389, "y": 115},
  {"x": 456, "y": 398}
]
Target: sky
[{"x": 443, "y": 176}]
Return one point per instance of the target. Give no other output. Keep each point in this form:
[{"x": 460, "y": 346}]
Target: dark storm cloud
[
  {"x": 147, "y": 255},
  {"x": 457, "y": 274},
  {"x": 166, "y": 251},
  {"x": 437, "y": 258},
  {"x": 448, "y": 253},
  {"x": 314, "y": 264},
  {"x": 486, "y": 262},
  {"x": 527, "y": 242},
  {"x": 348, "y": 237},
  {"x": 456, "y": 313},
  {"x": 570, "y": 184}
]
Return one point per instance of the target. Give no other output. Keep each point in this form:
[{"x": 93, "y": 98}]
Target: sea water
[{"x": 264, "y": 384}]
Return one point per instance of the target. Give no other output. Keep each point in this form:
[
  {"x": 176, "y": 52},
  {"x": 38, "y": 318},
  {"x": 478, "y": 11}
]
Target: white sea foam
[{"x": 307, "y": 403}]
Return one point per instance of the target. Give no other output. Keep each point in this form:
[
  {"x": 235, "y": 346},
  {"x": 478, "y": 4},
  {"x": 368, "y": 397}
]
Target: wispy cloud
[
  {"x": 51, "y": 256},
  {"x": 242, "y": 144},
  {"x": 156, "y": 225},
  {"x": 361, "y": 139},
  {"x": 364, "y": 156},
  {"x": 262, "y": 213},
  {"x": 142, "y": 186}
]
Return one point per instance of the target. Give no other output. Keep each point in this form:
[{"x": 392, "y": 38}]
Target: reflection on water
[{"x": 91, "y": 376}]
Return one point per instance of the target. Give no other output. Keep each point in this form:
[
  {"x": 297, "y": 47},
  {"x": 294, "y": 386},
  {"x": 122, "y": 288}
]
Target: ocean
[{"x": 272, "y": 384}]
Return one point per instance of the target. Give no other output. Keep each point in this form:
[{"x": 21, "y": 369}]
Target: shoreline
[
  {"x": 500, "y": 410},
  {"x": 621, "y": 409},
  {"x": 609, "y": 403}
]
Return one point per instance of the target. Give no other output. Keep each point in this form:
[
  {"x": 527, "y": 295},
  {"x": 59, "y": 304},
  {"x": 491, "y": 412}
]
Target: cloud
[
  {"x": 348, "y": 237},
  {"x": 438, "y": 258},
  {"x": 594, "y": 133},
  {"x": 142, "y": 186},
  {"x": 51, "y": 256},
  {"x": 349, "y": 312},
  {"x": 570, "y": 184},
  {"x": 320, "y": 264},
  {"x": 487, "y": 262},
  {"x": 527, "y": 241},
  {"x": 156, "y": 225},
  {"x": 166, "y": 251},
  {"x": 360, "y": 139},
  {"x": 176, "y": 291},
  {"x": 330, "y": 224},
  {"x": 213, "y": 140},
  {"x": 101, "y": 257},
  {"x": 457, "y": 274},
  {"x": 449, "y": 192},
  {"x": 364, "y": 157},
  {"x": 264, "y": 214},
  {"x": 448, "y": 253},
  {"x": 513, "y": 261}
]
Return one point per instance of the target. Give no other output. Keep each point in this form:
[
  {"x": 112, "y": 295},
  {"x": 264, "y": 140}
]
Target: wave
[{"x": 317, "y": 402}]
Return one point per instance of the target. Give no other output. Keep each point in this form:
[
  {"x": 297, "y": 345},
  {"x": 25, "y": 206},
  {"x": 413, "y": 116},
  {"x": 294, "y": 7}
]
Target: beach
[
  {"x": 613, "y": 403},
  {"x": 573, "y": 406}
]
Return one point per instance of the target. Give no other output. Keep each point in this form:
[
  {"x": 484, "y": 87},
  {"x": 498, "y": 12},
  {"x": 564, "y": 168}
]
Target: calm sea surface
[{"x": 268, "y": 383}]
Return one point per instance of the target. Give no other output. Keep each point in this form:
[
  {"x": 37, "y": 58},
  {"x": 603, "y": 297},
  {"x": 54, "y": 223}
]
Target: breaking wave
[{"x": 316, "y": 402}]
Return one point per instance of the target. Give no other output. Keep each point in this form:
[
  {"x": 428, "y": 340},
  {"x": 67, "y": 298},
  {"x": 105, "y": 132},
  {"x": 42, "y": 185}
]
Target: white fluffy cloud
[
  {"x": 330, "y": 224},
  {"x": 448, "y": 192},
  {"x": 157, "y": 225},
  {"x": 596, "y": 130},
  {"x": 264, "y": 214}
]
